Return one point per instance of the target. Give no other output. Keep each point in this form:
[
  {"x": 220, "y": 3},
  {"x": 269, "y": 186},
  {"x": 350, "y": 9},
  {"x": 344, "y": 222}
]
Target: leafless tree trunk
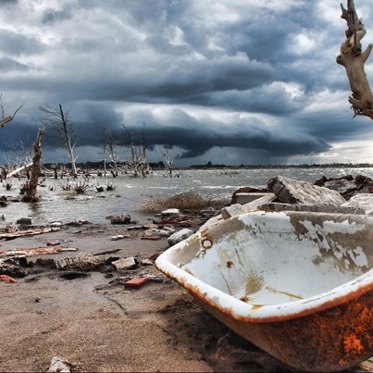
[
  {"x": 138, "y": 162},
  {"x": 58, "y": 118},
  {"x": 30, "y": 188},
  {"x": 110, "y": 146},
  {"x": 5, "y": 119},
  {"x": 353, "y": 59},
  {"x": 167, "y": 160}
]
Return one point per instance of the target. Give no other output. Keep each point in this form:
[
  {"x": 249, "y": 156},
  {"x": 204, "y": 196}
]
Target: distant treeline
[{"x": 209, "y": 165}]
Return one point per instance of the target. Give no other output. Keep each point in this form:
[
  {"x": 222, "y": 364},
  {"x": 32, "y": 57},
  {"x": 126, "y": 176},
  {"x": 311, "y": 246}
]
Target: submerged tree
[
  {"x": 353, "y": 59},
  {"x": 59, "y": 119}
]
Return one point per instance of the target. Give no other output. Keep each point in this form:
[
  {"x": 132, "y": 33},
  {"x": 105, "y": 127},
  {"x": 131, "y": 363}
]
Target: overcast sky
[{"x": 227, "y": 81}]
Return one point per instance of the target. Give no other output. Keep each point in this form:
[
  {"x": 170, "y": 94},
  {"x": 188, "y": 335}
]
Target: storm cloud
[{"x": 256, "y": 77}]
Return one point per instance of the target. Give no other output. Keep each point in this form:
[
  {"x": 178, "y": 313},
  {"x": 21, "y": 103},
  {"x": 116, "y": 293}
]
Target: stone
[
  {"x": 170, "y": 213},
  {"x": 121, "y": 219},
  {"x": 127, "y": 263},
  {"x": 147, "y": 262},
  {"x": 24, "y": 221},
  {"x": 293, "y": 191},
  {"x": 179, "y": 236},
  {"x": 120, "y": 237},
  {"x": 53, "y": 243},
  {"x": 362, "y": 201}
]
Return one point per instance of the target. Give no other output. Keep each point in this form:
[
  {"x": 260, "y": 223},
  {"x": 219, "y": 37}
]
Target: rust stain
[
  {"x": 353, "y": 345},
  {"x": 229, "y": 264}
]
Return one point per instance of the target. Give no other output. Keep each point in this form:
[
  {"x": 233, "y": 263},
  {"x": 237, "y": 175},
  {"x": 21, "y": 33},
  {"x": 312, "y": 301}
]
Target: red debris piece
[
  {"x": 8, "y": 279},
  {"x": 136, "y": 282}
]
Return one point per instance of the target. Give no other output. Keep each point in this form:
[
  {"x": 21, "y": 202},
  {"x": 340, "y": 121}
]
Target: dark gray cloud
[
  {"x": 8, "y": 64},
  {"x": 262, "y": 68},
  {"x": 16, "y": 44},
  {"x": 51, "y": 16}
]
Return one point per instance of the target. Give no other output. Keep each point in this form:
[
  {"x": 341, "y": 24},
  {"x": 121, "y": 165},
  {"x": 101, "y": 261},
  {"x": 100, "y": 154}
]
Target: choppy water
[{"x": 131, "y": 192}]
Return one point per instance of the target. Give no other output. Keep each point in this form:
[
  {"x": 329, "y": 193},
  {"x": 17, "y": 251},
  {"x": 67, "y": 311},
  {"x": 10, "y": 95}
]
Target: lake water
[{"x": 131, "y": 192}]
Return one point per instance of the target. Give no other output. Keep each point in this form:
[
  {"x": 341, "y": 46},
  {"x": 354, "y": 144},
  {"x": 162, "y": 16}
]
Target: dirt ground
[{"x": 98, "y": 325}]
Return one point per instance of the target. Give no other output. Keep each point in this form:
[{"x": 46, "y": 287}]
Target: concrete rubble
[
  {"x": 294, "y": 191},
  {"x": 179, "y": 236}
]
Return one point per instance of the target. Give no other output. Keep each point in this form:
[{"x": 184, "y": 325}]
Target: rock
[
  {"x": 147, "y": 262},
  {"x": 179, "y": 236},
  {"x": 77, "y": 223},
  {"x": 170, "y": 213},
  {"x": 294, "y": 191},
  {"x": 60, "y": 365},
  {"x": 362, "y": 201},
  {"x": 84, "y": 263},
  {"x": 24, "y": 221},
  {"x": 207, "y": 213},
  {"x": 211, "y": 222},
  {"x": 55, "y": 224},
  {"x": 127, "y": 263},
  {"x": 121, "y": 219},
  {"x": 53, "y": 243},
  {"x": 120, "y": 237}
]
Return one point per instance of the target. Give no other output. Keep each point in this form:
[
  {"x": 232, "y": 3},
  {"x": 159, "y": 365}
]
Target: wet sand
[{"x": 95, "y": 323}]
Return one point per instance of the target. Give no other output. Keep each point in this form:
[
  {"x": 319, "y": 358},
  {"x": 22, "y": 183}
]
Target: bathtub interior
[{"x": 272, "y": 258}]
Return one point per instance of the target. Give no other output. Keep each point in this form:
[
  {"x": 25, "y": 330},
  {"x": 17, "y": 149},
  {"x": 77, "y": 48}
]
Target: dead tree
[
  {"x": 30, "y": 187},
  {"x": 167, "y": 160},
  {"x": 111, "y": 147},
  {"x": 137, "y": 162},
  {"x": 5, "y": 119},
  {"x": 353, "y": 59},
  {"x": 59, "y": 119}
]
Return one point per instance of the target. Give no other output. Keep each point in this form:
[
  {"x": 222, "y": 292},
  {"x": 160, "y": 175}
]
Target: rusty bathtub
[{"x": 298, "y": 285}]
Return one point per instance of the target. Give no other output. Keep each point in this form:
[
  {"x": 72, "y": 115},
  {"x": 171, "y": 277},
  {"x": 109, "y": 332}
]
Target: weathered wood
[
  {"x": 27, "y": 233},
  {"x": 18, "y": 170},
  {"x": 353, "y": 59},
  {"x": 36, "y": 251}
]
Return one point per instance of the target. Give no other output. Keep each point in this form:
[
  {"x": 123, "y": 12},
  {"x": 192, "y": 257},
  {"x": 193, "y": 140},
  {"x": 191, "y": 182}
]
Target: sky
[{"x": 226, "y": 81}]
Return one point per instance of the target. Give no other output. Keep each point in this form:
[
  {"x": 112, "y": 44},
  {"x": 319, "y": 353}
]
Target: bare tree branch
[
  {"x": 353, "y": 59},
  {"x": 59, "y": 119},
  {"x": 4, "y": 120}
]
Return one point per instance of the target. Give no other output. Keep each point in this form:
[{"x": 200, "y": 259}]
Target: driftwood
[
  {"x": 353, "y": 59},
  {"x": 36, "y": 251},
  {"x": 28, "y": 232},
  {"x": 18, "y": 170}
]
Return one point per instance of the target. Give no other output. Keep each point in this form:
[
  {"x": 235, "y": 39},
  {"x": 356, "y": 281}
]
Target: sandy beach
[{"x": 98, "y": 325}]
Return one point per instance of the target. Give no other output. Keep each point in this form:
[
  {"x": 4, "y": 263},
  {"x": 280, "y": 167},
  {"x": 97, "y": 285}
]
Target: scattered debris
[
  {"x": 60, "y": 365},
  {"x": 27, "y": 233},
  {"x": 77, "y": 223},
  {"x": 8, "y": 279},
  {"x": 113, "y": 251},
  {"x": 120, "y": 237},
  {"x": 136, "y": 282},
  {"x": 362, "y": 201},
  {"x": 170, "y": 213},
  {"x": 36, "y": 251},
  {"x": 84, "y": 263},
  {"x": 121, "y": 219},
  {"x": 294, "y": 191},
  {"x": 24, "y": 221},
  {"x": 179, "y": 236},
  {"x": 127, "y": 263},
  {"x": 147, "y": 262},
  {"x": 53, "y": 243}
]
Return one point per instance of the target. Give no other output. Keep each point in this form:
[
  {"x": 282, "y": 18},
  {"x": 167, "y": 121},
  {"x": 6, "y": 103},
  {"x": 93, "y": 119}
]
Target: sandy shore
[{"x": 95, "y": 323}]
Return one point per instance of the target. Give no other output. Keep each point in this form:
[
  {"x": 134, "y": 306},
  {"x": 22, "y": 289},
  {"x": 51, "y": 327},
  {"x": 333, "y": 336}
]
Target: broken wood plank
[
  {"x": 367, "y": 365},
  {"x": 36, "y": 251},
  {"x": 28, "y": 232}
]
